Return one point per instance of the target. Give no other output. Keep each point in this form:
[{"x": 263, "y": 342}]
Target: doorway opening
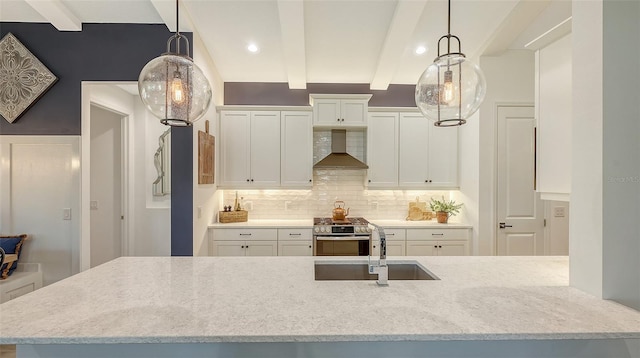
[{"x": 107, "y": 181}]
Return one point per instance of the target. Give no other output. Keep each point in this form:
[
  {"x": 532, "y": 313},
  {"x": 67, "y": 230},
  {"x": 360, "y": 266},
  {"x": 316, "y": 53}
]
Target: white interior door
[
  {"x": 106, "y": 186},
  {"x": 520, "y": 211}
]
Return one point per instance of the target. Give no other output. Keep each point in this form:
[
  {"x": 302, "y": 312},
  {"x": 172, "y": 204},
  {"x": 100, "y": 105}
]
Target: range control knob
[
  {"x": 316, "y": 229},
  {"x": 368, "y": 229},
  {"x": 358, "y": 229}
]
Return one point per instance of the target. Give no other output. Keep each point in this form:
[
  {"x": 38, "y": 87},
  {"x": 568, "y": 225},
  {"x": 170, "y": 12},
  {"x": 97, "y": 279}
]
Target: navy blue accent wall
[
  {"x": 279, "y": 94},
  {"x": 181, "y": 193},
  {"x": 102, "y": 52}
]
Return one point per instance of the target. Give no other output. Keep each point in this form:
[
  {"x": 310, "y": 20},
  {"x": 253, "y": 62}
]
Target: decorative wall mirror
[{"x": 162, "y": 162}]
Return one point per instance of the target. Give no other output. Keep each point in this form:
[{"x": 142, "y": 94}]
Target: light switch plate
[
  {"x": 93, "y": 205},
  {"x": 558, "y": 212},
  {"x": 66, "y": 214}
]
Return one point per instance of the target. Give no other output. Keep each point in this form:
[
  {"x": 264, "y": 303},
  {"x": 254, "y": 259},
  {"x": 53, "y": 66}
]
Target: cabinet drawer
[
  {"x": 437, "y": 234},
  {"x": 294, "y": 234},
  {"x": 245, "y": 234},
  {"x": 395, "y": 234}
]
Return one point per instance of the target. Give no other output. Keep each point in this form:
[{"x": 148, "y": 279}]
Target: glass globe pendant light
[
  {"x": 452, "y": 88},
  {"x": 172, "y": 86}
]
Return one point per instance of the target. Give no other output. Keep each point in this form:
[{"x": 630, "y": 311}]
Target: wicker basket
[{"x": 233, "y": 216}]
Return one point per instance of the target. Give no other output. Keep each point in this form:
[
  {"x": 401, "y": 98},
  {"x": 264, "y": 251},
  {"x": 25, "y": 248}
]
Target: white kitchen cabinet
[
  {"x": 245, "y": 248},
  {"x": 295, "y": 248},
  {"x": 382, "y": 150},
  {"x": 250, "y": 148},
  {"x": 428, "y": 155},
  {"x": 297, "y": 149},
  {"x": 243, "y": 242},
  {"x": 396, "y": 245},
  {"x": 339, "y": 110},
  {"x": 437, "y": 248},
  {"x": 554, "y": 125},
  {"x": 437, "y": 242},
  {"x": 295, "y": 242}
]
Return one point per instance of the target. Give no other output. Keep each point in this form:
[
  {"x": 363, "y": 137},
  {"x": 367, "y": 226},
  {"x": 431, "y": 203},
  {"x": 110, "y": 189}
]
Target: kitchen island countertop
[
  {"x": 308, "y": 223},
  {"x": 276, "y": 299}
]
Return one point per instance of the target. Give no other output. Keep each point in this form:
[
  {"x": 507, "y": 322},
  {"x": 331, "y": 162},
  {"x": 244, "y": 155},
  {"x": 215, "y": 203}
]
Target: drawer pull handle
[
  {"x": 294, "y": 234},
  {"x": 437, "y": 234},
  {"x": 391, "y": 234},
  {"x": 249, "y": 234}
]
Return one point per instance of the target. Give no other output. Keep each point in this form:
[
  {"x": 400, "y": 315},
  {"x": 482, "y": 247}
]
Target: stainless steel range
[{"x": 349, "y": 237}]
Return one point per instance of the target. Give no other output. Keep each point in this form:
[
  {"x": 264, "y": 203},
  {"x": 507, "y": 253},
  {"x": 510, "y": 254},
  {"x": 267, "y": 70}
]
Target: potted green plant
[{"x": 444, "y": 209}]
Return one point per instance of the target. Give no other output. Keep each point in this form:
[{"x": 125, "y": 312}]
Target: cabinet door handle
[
  {"x": 391, "y": 234},
  {"x": 426, "y": 180},
  {"x": 309, "y": 246},
  {"x": 338, "y": 119},
  {"x": 241, "y": 234},
  {"x": 246, "y": 247},
  {"x": 242, "y": 247},
  {"x": 437, "y": 234},
  {"x": 310, "y": 180},
  {"x": 252, "y": 180},
  {"x": 247, "y": 180}
]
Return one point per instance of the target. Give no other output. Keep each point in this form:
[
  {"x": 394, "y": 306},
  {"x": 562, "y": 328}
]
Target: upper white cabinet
[
  {"x": 297, "y": 149},
  {"x": 382, "y": 150},
  {"x": 250, "y": 148},
  {"x": 331, "y": 110},
  {"x": 553, "y": 112},
  {"x": 428, "y": 155},
  {"x": 405, "y": 150}
]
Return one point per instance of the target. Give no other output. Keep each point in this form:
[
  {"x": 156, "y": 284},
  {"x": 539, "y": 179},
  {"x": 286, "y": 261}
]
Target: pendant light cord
[
  {"x": 178, "y": 28},
  {"x": 449, "y": 28}
]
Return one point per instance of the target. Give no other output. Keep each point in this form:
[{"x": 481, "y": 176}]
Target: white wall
[
  {"x": 510, "y": 80},
  {"x": 553, "y": 109},
  {"x": 39, "y": 179},
  {"x": 106, "y": 185},
  {"x": 621, "y": 152},
  {"x": 605, "y": 202},
  {"x": 557, "y": 215},
  {"x": 585, "y": 227},
  {"x": 149, "y": 217},
  {"x": 206, "y": 198}
]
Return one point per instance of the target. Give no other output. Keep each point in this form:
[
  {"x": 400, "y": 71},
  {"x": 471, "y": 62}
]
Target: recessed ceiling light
[
  {"x": 420, "y": 50},
  {"x": 252, "y": 48}
]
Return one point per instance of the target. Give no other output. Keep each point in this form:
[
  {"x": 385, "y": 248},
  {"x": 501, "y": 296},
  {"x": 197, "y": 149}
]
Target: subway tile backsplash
[{"x": 330, "y": 185}]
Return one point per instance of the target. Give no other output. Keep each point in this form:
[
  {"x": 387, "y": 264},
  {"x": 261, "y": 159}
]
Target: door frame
[
  {"x": 493, "y": 228},
  {"x": 127, "y": 200}
]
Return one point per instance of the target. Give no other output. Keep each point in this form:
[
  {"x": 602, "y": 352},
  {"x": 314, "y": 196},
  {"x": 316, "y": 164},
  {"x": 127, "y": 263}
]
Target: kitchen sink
[{"x": 358, "y": 270}]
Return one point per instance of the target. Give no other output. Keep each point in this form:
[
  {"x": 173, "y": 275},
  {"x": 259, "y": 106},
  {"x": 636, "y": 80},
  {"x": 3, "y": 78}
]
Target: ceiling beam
[
  {"x": 552, "y": 35},
  {"x": 167, "y": 11},
  {"x": 403, "y": 25},
  {"x": 57, "y": 14},
  {"x": 522, "y": 15},
  {"x": 292, "y": 31}
]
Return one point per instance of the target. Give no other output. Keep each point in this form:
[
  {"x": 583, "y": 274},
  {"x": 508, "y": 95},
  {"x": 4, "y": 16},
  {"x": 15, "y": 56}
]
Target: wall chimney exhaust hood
[{"x": 339, "y": 158}]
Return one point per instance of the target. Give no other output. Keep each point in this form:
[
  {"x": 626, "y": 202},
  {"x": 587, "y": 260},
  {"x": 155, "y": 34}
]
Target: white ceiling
[{"x": 317, "y": 41}]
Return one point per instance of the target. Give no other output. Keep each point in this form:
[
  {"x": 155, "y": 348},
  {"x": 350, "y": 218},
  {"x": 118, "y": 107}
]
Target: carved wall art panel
[{"x": 23, "y": 78}]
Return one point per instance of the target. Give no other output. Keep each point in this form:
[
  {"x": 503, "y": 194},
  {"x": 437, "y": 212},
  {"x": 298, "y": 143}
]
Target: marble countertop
[
  {"x": 276, "y": 299},
  {"x": 308, "y": 223},
  {"x": 303, "y": 223}
]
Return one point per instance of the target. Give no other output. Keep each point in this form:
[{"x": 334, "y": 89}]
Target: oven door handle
[{"x": 343, "y": 238}]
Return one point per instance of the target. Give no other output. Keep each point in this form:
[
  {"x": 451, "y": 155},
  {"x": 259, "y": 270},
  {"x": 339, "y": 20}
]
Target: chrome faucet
[{"x": 381, "y": 267}]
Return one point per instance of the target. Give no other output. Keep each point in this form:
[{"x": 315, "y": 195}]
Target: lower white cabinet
[
  {"x": 437, "y": 248},
  {"x": 245, "y": 248},
  {"x": 295, "y": 242},
  {"x": 396, "y": 245},
  {"x": 437, "y": 242},
  {"x": 243, "y": 242},
  {"x": 295, "y": 248}
]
